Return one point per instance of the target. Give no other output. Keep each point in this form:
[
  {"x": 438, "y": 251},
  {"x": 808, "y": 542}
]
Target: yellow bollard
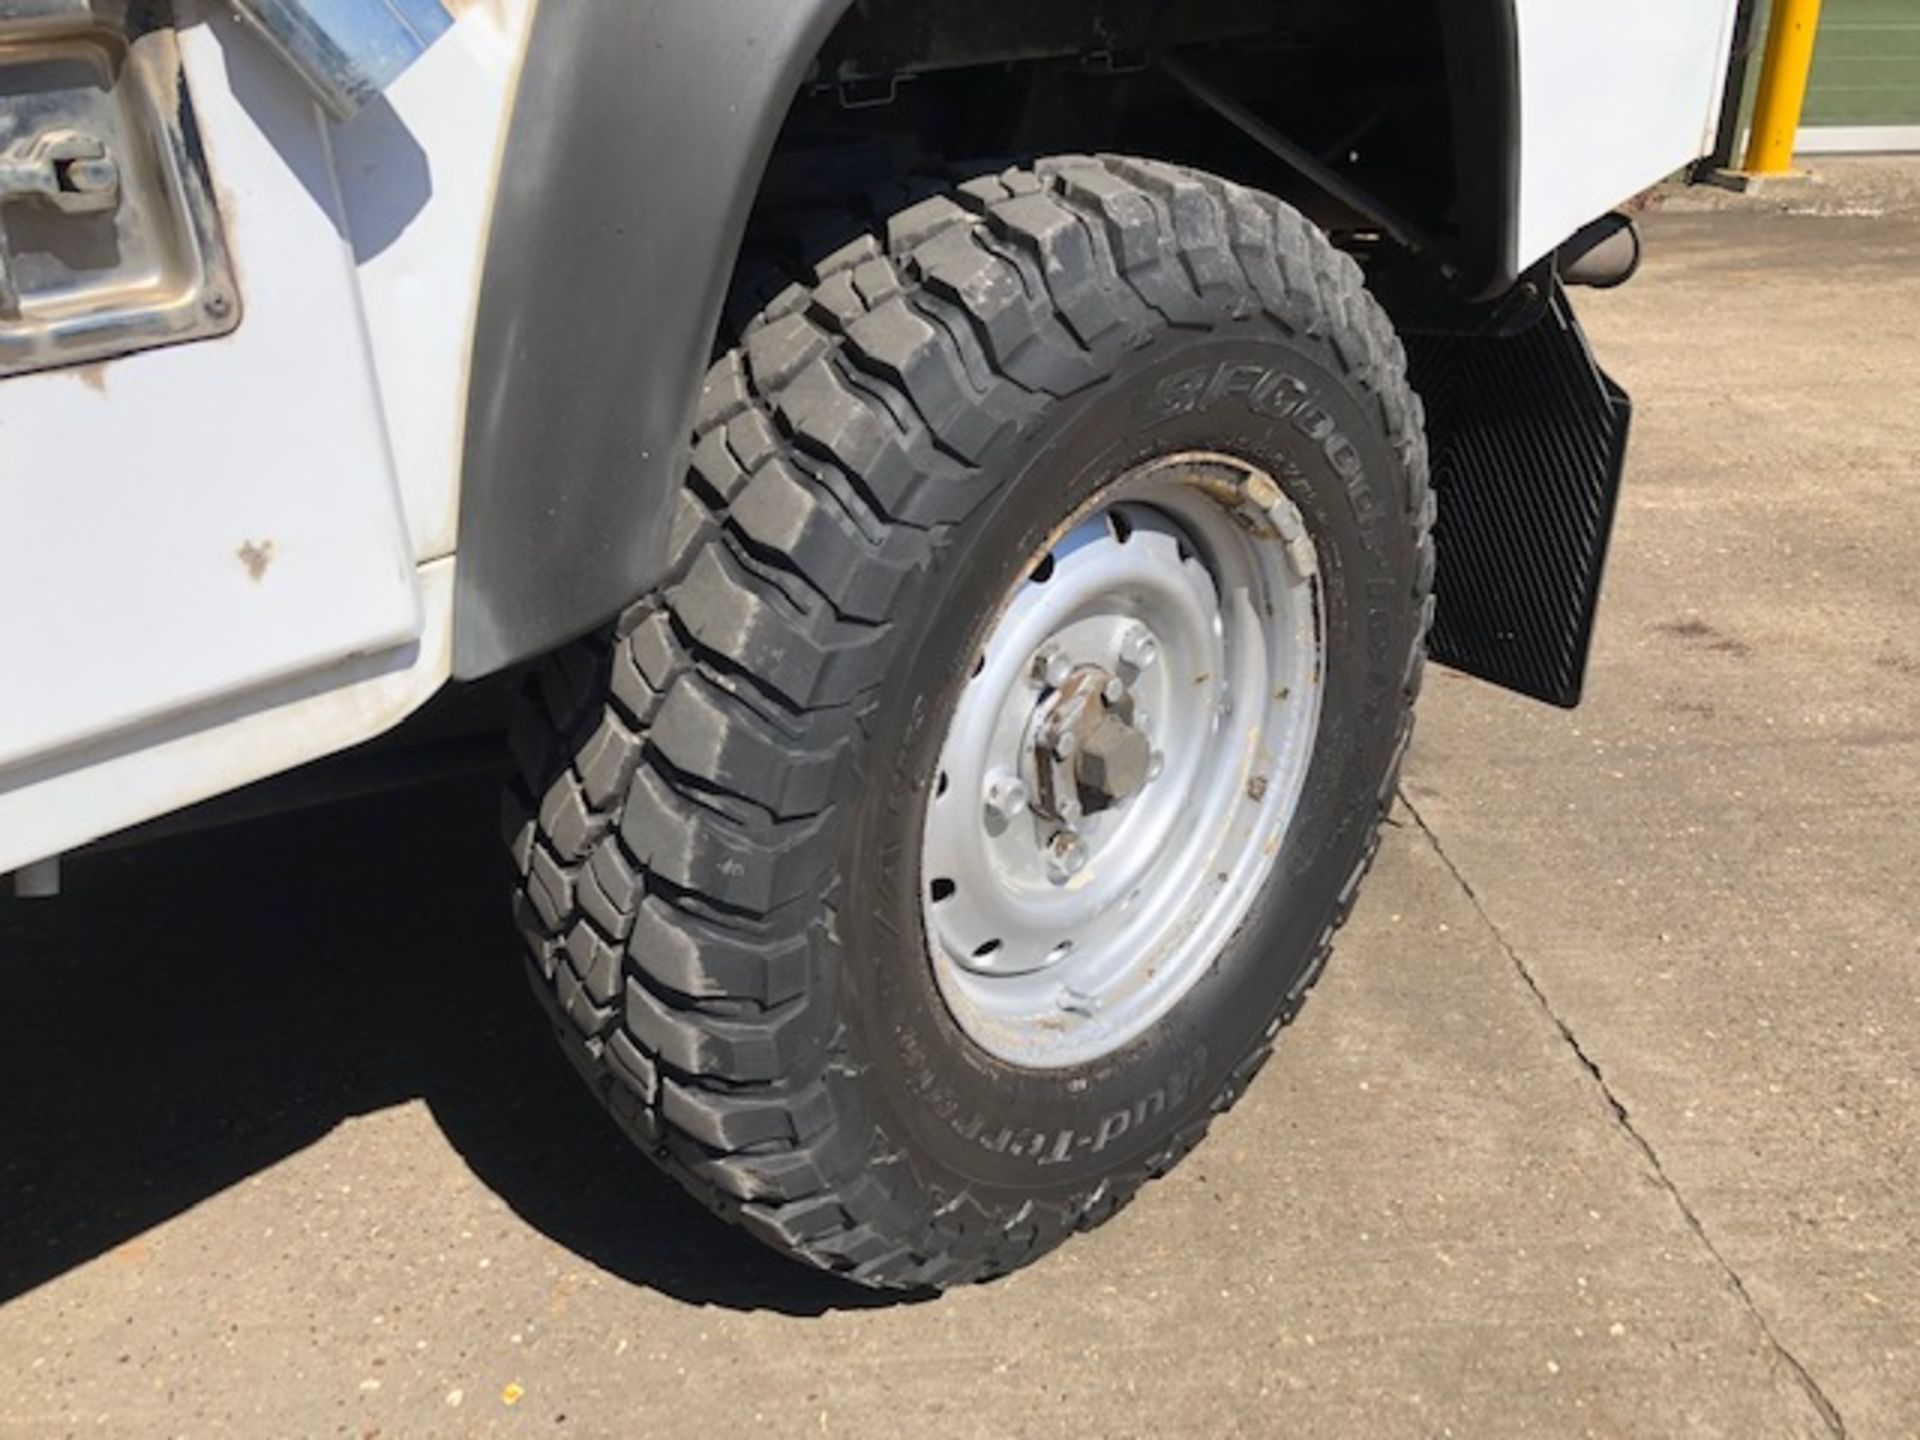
[{"x": 1783, "y": 86}]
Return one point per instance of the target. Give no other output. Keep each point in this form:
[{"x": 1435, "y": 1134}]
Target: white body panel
[
  {"x": 1613, "y": 97},
  {"x": 417, "y": 177},
  {"x": 146, "y": 664},
  {"x": 222, "y": 559},
  {"x": 113, "y": 783},
  {"x": 204, "y": 518}
]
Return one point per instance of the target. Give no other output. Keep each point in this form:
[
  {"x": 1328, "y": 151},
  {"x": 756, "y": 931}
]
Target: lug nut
[
  {"x": 1006, "y": 798},
  {"x": 1138, "y": 648},
  {"x": 1066, "y": 855},
  {"x": 1051, "y": 667}
]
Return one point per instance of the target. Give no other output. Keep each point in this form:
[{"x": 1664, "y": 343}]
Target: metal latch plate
[{"x": 110, "y": 241}]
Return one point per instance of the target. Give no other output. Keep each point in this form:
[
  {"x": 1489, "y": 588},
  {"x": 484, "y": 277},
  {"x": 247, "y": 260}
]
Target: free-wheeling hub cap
[{"x": 1121, "y": 768}]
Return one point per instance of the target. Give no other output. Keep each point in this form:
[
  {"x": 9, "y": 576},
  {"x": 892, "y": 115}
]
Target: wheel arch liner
[{"x": 638, "y": 139}]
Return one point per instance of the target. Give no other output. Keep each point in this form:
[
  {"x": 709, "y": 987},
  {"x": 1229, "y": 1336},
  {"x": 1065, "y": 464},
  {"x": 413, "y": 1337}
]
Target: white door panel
[
  {"x": 1613, "y": 97},
  {"x": 417, "y": 173},
  {"x": 196, "y": 521},
  {"x": 62, "y": 802}
]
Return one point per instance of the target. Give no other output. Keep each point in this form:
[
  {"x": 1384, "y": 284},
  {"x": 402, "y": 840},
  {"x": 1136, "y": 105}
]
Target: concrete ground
[{"x": 1603, "y": 1123}]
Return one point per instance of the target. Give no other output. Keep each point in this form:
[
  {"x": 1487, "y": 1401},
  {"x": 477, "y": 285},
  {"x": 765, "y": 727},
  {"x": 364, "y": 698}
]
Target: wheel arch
[{"x": 640, "y": 137}]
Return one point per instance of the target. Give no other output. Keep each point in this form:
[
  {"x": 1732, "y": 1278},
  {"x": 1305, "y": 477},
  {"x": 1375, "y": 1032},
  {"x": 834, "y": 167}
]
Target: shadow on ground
[{"x": 187, "y": 1013}]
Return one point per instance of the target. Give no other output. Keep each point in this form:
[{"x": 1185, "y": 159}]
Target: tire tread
[{"x": 674, "y": 777}]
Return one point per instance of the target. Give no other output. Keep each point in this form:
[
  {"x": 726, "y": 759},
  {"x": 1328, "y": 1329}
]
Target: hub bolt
[
  {"x": 1138, "y": 648},
  {"x": 1006, "y": 797},
  {"x": 1114, "y": 691},
  {"x": 1066, "y": 855},
  {"x": 1051, "y": 667}
]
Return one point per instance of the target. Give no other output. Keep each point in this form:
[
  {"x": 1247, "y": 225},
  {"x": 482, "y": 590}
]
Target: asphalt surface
[{"x": 1603, "y": 1123}]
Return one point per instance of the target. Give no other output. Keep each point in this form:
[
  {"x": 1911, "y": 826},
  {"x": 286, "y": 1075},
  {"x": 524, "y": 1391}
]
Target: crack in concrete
[{"x": 1808, "y": 1385}]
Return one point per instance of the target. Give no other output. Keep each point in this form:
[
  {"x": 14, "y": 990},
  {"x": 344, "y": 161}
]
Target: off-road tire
[{"x": 717, "y": 802}]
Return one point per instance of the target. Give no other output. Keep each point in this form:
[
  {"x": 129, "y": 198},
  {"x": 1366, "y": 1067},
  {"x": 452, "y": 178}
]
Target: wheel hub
[
  {"x": 1117, "y": 774},
  {"x": 1086, "y": 752}
]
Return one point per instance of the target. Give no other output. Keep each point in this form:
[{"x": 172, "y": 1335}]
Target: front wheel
[{"x": 946, "y": 841}]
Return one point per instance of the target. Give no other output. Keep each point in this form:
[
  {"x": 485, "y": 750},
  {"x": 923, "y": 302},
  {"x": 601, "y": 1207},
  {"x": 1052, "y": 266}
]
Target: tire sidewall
[{"x": 1007, "y": 1134}]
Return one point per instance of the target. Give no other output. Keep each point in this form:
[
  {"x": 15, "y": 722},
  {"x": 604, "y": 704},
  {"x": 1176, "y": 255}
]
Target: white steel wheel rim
[{"x": 1186, "y": 601}]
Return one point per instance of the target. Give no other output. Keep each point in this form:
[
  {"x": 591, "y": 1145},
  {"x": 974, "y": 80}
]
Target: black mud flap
[{"x": 1528, "y": 437}]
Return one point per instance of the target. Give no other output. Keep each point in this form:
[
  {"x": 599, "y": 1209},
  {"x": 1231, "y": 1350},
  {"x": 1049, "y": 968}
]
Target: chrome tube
[{"x": 347, "y": 51}]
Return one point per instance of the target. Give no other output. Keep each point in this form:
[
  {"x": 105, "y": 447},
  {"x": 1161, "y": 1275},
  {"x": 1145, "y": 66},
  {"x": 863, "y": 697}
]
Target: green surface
[{"x": 1866, "y": 64}]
